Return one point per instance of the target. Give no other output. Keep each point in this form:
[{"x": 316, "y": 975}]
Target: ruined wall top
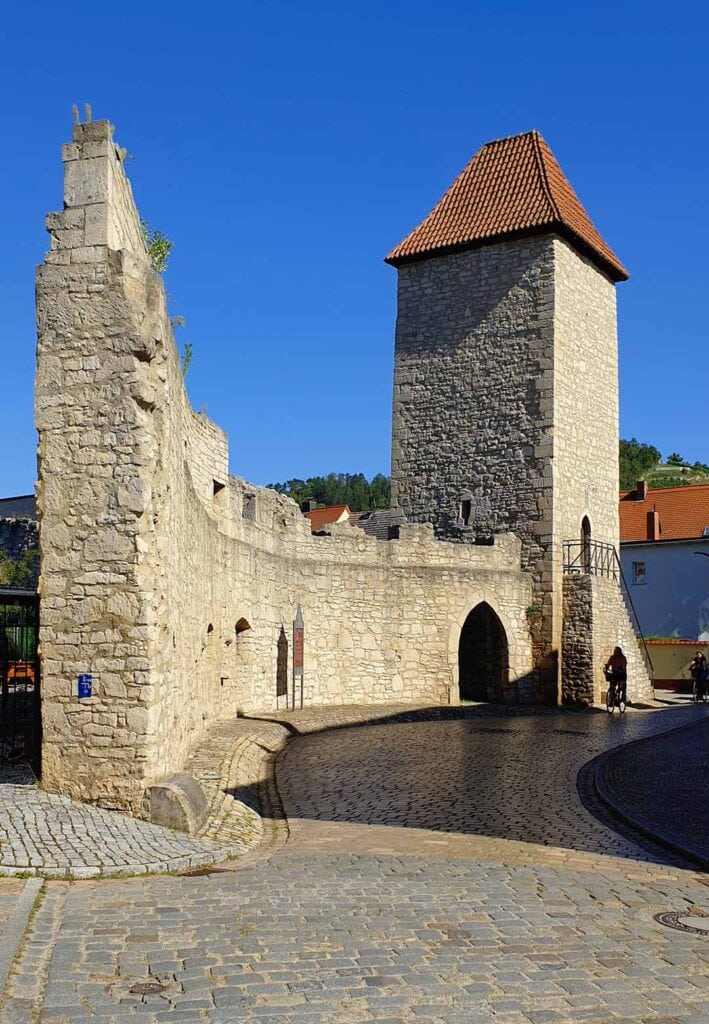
[{"x": 94, "y": 179}]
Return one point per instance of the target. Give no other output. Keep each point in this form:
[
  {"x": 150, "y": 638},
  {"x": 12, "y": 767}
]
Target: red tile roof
[
  {"x": 320, "y": 517},
  {"x": 511, "y": 187},
  {"x": 683, "y": 512}
]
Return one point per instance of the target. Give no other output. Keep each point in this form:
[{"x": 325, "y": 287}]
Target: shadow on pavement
[{"x": 486, "y": 770}]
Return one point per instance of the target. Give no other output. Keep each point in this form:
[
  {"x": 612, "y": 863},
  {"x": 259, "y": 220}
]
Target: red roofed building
[
  {"x": 320, "y": 517},
  {"x": 664, "y": 536}
]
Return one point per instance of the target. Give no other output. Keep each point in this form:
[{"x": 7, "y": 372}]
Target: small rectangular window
[
  {"x": 466, "y": 511},
  {"x": 638, "y": 572},
  {"x": 219, "y": 493}
]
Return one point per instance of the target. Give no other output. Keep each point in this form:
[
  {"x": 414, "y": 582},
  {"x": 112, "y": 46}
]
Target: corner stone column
[{"x": 94, "y": 460}]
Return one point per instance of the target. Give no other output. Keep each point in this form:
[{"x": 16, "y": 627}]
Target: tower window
[{"x": 466, "y": 511}]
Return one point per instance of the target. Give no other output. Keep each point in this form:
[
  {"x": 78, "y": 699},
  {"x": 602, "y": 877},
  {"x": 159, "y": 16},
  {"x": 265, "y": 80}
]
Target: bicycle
[
  {"x": 615, "y": 696},
  {"x": 699, "y": 690}
]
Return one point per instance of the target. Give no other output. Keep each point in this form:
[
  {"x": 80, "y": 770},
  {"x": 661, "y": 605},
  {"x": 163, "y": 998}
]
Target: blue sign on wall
[{"x": 84, "y": 688}]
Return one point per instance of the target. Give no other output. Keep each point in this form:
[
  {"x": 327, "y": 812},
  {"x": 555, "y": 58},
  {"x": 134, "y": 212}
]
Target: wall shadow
[{"x": 489, "y": 770}]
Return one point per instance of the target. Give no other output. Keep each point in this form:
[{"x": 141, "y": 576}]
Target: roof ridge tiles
[{"x": 543, "y": 174}]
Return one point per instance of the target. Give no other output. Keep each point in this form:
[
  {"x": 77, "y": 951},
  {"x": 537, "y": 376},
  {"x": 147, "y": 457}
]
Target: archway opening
[
  {"x": 586, "y": 544},
  {"x": 483, "y": 660}
]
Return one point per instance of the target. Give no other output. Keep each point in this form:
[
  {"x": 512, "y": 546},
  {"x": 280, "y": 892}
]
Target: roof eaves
[{"x": 474, "y": 243}]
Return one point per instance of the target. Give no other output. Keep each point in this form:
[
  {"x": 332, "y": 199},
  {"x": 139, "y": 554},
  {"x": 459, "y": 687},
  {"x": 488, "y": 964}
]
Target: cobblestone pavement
[
  {"x": 457, "y": 787},
  {"x": 673, "y": 802},
  {"x": 231, "y": 764},
  {"x": 41, "y": 833},
  {"x": 10, "y": 889},
  {"x": 489, "y": 927},
  {"x": 53, "y": 836}
]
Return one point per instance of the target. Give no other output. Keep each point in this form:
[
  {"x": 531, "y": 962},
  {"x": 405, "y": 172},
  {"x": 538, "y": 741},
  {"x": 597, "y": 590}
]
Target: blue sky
[{"x": 286, "y": 147}]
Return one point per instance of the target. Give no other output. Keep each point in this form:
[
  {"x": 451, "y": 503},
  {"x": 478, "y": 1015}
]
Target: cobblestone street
[{"x": 440, "y": 870}]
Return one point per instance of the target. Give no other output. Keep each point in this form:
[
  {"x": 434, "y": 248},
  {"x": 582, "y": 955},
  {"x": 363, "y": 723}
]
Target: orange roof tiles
[
  {"x": 320, "y": 517},
  {"x": 683, "y": 512},
  {"x": 511, "y": 187}
]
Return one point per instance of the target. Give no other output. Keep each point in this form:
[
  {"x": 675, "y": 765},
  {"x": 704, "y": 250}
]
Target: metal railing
[{"x": 594, "y": 558}]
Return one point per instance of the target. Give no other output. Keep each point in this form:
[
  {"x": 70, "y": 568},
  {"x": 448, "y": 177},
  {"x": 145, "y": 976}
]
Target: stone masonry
[
  {"x": 474, "y": 398},
  {"x": 170, "y": 580},
  {"x": 506, "y": 396}
]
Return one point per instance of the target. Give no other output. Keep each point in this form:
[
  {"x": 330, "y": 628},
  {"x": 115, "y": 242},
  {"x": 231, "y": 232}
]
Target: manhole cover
[
  {"x": 146, "y": 988},
  {"x": 680, "y": 921}
]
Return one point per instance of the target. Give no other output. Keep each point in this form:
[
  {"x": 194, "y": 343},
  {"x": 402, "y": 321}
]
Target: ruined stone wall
[
  {"x": 169, "y": 580},
  {"x": 95, "y": 468}
]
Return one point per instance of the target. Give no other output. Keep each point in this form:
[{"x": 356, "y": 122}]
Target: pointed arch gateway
[{"x": 483, "y": 656}]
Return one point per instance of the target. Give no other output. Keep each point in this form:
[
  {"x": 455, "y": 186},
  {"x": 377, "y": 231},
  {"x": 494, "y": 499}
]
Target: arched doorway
[
  {"x": 586, "y": 544},
  {"x": 483, "y": 662}
]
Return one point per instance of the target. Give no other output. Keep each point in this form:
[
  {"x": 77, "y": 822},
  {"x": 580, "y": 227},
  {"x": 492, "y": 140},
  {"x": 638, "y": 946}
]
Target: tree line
[
  {"x": 638, "y": 461},
  {"x": 351, "y": 489}
]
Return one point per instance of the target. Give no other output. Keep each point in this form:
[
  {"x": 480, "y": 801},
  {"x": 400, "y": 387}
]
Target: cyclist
[
  {"x": 699, "y": 671},
  {"x": 616, "y": 670}
]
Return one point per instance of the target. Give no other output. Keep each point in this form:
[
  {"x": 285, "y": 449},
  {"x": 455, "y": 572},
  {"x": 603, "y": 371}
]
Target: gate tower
[{"x": 506, "y": 379}]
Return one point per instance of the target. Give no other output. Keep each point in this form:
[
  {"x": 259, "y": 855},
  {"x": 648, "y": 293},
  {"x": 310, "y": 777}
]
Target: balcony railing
[{"x": 591, "y": 557}]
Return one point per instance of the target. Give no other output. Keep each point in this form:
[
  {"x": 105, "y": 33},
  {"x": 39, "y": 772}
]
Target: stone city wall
[{"x": 170, "y": 581}]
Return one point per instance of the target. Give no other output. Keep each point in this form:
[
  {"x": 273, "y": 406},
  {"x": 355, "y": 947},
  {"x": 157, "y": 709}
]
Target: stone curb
[
  {"x": 13, "y": 933},
  {"x": 629, "y": 816},
  {"x": 275, "y": 823},
  {"x": 83, "y": 873}
]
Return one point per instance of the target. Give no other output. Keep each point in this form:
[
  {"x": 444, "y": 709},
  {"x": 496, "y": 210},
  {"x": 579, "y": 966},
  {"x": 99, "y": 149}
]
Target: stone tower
[{"x": 506, "y": 380}]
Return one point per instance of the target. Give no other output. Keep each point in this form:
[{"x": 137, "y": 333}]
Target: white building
[{"x": 664, "y": 551}]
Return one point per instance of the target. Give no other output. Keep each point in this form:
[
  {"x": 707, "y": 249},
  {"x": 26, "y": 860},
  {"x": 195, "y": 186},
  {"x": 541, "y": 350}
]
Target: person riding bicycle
[
  {"x": 699, "y": 671},
  {"x": 616, "y": 670}
]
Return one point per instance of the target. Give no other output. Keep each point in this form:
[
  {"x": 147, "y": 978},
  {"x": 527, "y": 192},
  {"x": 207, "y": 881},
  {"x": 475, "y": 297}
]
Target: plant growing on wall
[
  {"x": 158, "y": 245},
  {"x": 179, "y": 321},
  {"x": 533, "y": 615}
]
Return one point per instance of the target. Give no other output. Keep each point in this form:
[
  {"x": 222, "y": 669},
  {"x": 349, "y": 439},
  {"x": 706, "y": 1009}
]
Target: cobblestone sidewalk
[{"x": 41, "y": 833}]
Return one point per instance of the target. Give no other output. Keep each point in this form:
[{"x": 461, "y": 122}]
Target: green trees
[
  {"x": 351, "y": 489},
  {"x": 19, "y": 572},
  {"x": 636, "y": 461},
  {"x": 643, "y": 462}
]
